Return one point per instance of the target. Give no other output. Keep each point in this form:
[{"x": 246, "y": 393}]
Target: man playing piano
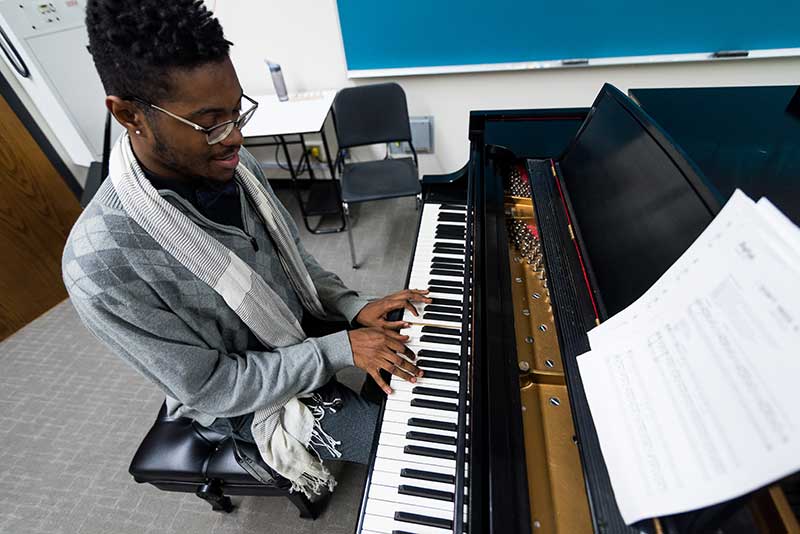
[{"x": 188, "y": 267}]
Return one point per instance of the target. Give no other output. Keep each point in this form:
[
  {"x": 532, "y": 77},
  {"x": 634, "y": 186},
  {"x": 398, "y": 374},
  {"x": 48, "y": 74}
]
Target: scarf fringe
[
  {"x": 314, "y": 482},
  {"x": 317, "y": 478},
  {"x": 320, "y": 438}
]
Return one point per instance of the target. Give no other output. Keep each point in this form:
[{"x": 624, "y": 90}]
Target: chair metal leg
[
  {"x": 419, "y": 201},
  {"x": 346, "y": 210}
]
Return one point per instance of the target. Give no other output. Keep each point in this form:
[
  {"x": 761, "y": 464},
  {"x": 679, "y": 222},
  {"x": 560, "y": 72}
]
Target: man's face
[{"x": 207, "y": 95}]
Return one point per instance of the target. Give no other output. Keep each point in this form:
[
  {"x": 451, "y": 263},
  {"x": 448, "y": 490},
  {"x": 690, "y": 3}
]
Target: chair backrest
[{"x": 371, "y": 114}]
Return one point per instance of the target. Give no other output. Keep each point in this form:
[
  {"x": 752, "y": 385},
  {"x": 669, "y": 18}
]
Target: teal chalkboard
[{"x": 443, "y": 33}]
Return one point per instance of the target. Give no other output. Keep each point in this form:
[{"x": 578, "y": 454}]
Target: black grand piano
[{"x": 560, "y": 219}]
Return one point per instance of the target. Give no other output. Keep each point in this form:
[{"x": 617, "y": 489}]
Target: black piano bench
[{"x": 177, "y": 454}]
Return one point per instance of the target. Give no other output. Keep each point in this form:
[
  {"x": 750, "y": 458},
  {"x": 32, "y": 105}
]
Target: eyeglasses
[{"x": 218, "y": 132}]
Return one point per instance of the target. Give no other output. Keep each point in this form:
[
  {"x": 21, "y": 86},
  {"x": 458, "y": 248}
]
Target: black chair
[
  {"x": 368, "y": 115},
  {"x": 177, "y": 454}
]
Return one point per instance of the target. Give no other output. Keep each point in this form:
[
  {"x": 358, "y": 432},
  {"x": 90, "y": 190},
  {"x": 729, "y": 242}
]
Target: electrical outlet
[{"x": 316, "y": 150}]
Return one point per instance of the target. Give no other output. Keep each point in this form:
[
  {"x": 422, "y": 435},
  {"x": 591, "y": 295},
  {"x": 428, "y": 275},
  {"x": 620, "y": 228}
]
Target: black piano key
[
  {"x": 447, "y": 229},
  {"x": 430, "y": 452},
  {"x": 447, "y": 290},
  {"x": 448, "y": 266},
  {"x": 435, "y": 405},
  {"x": 443, "y": 309},
  {"x": 436, "y": 364},
  {"x": 401, "y": 532},
  {"x": 446, "y": 302},
  {"x": 453, "y": 207},
  {"x": 422, "y": 353},
  {"x": 427, "y": 475},
  {"x": 445, "y": 250},
  {"x": 440, "y": 340},
  {"x": 441, "y": 330},
  {"x": 435, "y": 392},
  {"x": 436, "y": 375},
  {"x": 450, "y": 228},
  {"x": 425, "y": 520},
  {"x": 452, "y": 217},
  {"x": 447, "y": 272},
  {"x": 442, "y": 317},
  {"x": 416, "y": 491},
  {"x": 431, "y": 438},
  {"x": 429, "y": 423},
  {"x": 439, "y": 259},
  {"x": 455, "y": 235},
  {"x": 452, "y": 283},
  {"x": 449, "y": 245}
]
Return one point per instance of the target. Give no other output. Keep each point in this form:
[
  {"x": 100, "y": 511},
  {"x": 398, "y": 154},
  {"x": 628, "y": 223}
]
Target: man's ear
[{"x": 127, "y": 113}]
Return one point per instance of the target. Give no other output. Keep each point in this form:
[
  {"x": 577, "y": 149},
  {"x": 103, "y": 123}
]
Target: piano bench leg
[
  {"x": 307, "y": 509},
  {"x": 212, "y": 494},
  {"x": 348, "y": 224}
]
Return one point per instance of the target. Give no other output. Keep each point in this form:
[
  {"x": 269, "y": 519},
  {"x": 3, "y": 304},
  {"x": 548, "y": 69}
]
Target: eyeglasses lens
[{"x": 220, "y": 134}]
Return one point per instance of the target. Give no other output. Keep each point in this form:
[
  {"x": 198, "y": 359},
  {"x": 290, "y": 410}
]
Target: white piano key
[
  {"x": 385, "y": 493},
  {"x": 391, "y": 465},
  {"x": 394, "y": 440},
  {"x": 386, "y": 508},
  {"x": 416, "y": 411},
  {"x": 413, "y": 461},
  {"x": 408, "y": 395},
  {"x": 394, "y": 480},
  {"x": 402, "y": 428},
  {"x": 424, "y": 381},
  {"x": 385, "y": 525}
]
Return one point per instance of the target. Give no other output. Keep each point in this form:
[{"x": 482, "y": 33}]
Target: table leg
[
  {"x": 305, "y": 155},
  {"x": 293, "y": 175},
  {"x": 327, "y": 153}
]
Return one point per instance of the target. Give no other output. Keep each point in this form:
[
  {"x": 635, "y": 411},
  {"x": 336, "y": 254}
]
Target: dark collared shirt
[{"x": 220, "y": 203}]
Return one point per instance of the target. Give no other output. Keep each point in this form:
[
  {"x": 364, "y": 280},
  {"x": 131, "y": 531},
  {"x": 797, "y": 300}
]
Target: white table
[{"x": 303, "y": 113}]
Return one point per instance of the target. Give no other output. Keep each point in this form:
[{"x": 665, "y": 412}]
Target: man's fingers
[
  {"x": 394, "y": 324},
  {"x": 410, "y": 354},
  {"x": 395, "y": 335},
  {"x": 394, "y": 364},
  {"x": 396, "y": 371},
  {"x": 418, "y": 295},
  {"x": 376, "y": 375},
  {"x": 395, "y": 345},
  {"x": 410, "y": 307},
  {"x": 408, "y": 367}
]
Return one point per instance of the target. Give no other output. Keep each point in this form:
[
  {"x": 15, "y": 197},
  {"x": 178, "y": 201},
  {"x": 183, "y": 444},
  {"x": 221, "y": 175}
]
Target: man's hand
[
  {"x": 374, "y": 313},
  {"x": 375, "y": 349}
]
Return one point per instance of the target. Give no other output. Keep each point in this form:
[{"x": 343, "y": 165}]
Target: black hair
[{"x": 135, "y": 44}]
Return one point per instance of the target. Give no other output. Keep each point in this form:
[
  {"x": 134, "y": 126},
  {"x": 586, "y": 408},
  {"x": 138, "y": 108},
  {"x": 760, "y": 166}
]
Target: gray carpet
[{"x": 72, "y": 415}]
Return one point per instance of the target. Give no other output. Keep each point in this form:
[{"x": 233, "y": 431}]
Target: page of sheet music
[{"x": 693, "y": 388}]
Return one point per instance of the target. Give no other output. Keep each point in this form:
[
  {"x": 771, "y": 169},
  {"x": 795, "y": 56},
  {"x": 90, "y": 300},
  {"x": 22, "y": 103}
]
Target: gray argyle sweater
[{"x": 177, "y": 331}]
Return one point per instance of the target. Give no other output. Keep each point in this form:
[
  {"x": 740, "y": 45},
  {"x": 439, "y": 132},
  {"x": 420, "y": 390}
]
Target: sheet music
[{"x": 693, "y": 387}]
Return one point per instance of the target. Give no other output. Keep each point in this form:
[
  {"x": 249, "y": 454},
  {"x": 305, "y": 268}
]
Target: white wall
[
  {"x": 78, "y": 171},
  {"x": 303, "y": 36}
]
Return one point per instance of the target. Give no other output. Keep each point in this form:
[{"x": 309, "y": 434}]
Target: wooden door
[{"x": 37, "y": 210}]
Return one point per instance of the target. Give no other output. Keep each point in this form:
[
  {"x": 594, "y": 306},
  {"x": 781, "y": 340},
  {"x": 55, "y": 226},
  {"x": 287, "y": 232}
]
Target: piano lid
[
  {"x": 636, "y": 201},
  {"x": 740, "y": 137}
]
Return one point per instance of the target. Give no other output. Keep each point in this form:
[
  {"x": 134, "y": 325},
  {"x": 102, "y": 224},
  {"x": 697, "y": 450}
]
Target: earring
[{"x": 138, "y": 132}]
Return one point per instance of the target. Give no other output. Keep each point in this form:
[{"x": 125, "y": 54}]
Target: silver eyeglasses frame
[{"x": 221, "y": 131}]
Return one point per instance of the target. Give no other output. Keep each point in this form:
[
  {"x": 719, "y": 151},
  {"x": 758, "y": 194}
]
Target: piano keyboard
[{"x": 412, "y": 485}]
